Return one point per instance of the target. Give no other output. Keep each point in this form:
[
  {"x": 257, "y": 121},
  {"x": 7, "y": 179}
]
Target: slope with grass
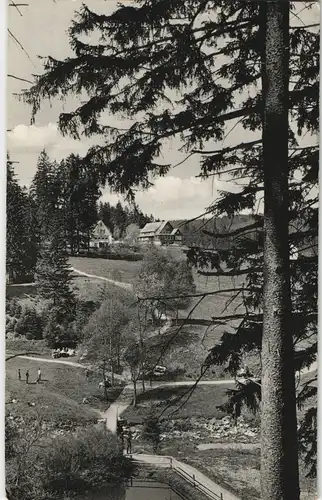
[
  {"x": 203, "y": 402},
  {"x": 58, "y": 398},
  {"x": 181, "y": 356},
  {"x": 118, "y": 270}
]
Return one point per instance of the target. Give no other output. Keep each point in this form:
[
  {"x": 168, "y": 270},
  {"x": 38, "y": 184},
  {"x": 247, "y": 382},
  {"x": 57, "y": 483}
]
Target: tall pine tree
[
  {"x": 78, "y": 195},
  {"x": 21, "y": 245},
  {"x": 45, "y": 192},
  {"x": 193, "y": 70},
  {"x": 53, "y": 274}
]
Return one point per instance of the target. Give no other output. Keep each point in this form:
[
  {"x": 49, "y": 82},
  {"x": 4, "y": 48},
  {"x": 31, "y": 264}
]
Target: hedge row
[{"x": 120, "y": 255}]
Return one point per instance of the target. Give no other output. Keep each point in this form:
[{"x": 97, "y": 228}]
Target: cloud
[
  {"x": 171, "y": 197},
  {"x": 33, "y": 139},
  {"x": 175, "y": 198}
]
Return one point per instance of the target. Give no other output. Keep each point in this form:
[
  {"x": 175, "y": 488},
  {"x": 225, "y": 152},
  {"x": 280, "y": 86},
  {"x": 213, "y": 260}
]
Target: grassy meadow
[
  {"x": 118, "y": 270},
  {"x": 59, "y": 396},
  {"x": 201, "y": 337},
  {"x": 203, "y": 401}
]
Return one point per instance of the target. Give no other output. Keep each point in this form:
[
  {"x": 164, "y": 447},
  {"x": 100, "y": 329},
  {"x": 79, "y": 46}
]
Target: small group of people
[
  {"x": 125, "y": 436},
  {"x": 38, "y": 380}
]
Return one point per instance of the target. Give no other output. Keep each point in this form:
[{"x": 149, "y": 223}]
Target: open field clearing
[
  {"x": 60, "y": 394},
  {"x": 204, "y": 337},
  {"x": 85, "y": 289},
  {"x": 202, "y": 402},
  {"x": 118, "y": 270},
  {"x": 90, "y": 289},
  {"x": 125, "y": 271}
]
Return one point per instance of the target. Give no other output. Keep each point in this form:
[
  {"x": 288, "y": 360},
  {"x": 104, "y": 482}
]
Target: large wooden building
[{"x": 160, "y": 233}]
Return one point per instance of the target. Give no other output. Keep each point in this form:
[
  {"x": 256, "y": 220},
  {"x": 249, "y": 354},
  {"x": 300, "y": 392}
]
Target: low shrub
[
  {"x": 81, "y": 462},
  {"x": 29, "y": 323},
  {"x": 40, "y": 467},
  {"x": 118, "y": 253}
]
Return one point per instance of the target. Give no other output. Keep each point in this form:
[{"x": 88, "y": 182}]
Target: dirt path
[
  {"x": 228, "y": 446},
  {"x": 112, "y": 414},
  {"x": 64, "y": 362},
  {"x": 121, "y": 284},
  {"x": 120, "y": 405}
]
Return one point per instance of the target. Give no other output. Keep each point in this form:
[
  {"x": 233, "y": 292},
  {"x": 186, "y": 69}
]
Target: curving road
[
  {"x": 118, "y": 407},
  {"x": 66, "y": 362}
]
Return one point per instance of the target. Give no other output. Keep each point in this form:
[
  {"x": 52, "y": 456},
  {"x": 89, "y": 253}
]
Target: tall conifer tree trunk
[{"x": 279, "y": 457}]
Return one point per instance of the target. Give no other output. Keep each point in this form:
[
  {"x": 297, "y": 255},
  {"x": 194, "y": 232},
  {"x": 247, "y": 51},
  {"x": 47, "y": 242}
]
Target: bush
[
  {"x": 60, "y": 468},
  {"x": 13, "y": 308},
  {"x": 182, "y": 425},
  {"x": 85, "y": 461},
  {"x": 115, "y": 254},
  {"x": 152, "y": 431},
  {"x": 29, "y": 324}
]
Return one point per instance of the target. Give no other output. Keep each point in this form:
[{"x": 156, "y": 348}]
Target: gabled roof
[
  {"x": 176, "y": 230},
  {"x": 151, "y": 227},
  {"x": 162, "y": 226},
  {"x": 100, "y": 224},
  {"x": 154, "y": 227}
]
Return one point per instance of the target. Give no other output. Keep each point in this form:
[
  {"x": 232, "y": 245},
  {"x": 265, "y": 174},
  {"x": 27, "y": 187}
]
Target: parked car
[
  {"x": 157, "y": 371},
  {"x": 63, "y": 353}
]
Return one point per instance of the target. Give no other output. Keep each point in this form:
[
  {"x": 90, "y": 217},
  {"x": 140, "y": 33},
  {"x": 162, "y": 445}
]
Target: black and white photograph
[{"x": 161, "y": 266}]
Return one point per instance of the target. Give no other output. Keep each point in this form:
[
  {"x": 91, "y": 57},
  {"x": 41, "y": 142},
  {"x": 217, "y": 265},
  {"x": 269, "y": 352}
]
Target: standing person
[
  {"x": 27, "y": 377},
  {"x": 87, "y": 373},
  {"x": 129, "y": 443},
  {"x": 19, "y": 374},
  {"x": 39, "y": 376}
]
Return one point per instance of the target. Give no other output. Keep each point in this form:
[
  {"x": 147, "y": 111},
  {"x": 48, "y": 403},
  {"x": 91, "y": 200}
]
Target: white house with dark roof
[
  {"x": 101, "y": 236},
  {"x": 160, "y": 233}
]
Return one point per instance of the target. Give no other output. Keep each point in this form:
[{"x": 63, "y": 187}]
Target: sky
[{"x": 41, "y": 30}]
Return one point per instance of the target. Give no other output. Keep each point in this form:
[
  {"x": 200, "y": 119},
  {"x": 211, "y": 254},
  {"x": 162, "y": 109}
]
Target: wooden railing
[
  {"x": 172, "y": 463},
  {"x": 191, "y": 478}
]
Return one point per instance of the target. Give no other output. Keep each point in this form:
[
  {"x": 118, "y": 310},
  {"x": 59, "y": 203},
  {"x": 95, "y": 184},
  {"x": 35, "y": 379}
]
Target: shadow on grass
[
  {"x": 112, "y": 394},
  {"x": 162, "y": 393},
  {"x": 42, "y": 381}
]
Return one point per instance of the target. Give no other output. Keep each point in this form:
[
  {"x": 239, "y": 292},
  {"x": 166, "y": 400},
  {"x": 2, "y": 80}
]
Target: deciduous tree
[{"x": 103, "y": 334}]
